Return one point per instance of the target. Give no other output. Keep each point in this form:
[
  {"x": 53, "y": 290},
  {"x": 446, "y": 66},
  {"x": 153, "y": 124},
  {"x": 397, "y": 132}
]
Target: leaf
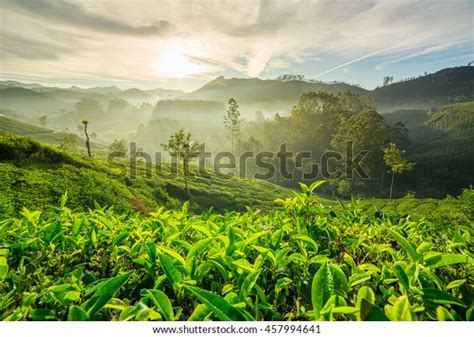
[
  {"x": 322, "y": 288},
  {"x": 248, "y": 284},
  {"x": 3, "y": 268},
  {"x": 441, "y": 297},
  {"x": 455, "y": 284},
  {"x": 221, "y": 308},
  {"x": 400, "y": 310},
  {"x": 306, "y": 239},
  {"x": 369, "y": 312},
  {"x": 195, "y": 251},
  {"x": 444, "y": 260},
  {"x": 161, "y": 301},
  {"x": 200, "y": 313},
  {"x": 77, "y": 314},
  {"x": 340, "y": 280},
  {"x": 172, "y": 274},
  {"x": 442, "y": 314},
  {"x": 43, "y": 315},
  {"x": 402, "y": 277},
  {"x": 405, "y": 244},
  {"x": 367, "y": 294},
  {"x": 104, "y": 294},
  {"x": 345, "y": 310},
  {"x": 244, "y": 265}
]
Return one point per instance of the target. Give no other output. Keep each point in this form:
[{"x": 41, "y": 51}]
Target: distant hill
[
  {"x": 189, "y": 110},
  {"x": 446, "y": 86},
  {"x": 442, "y": 147},
  {"x": 264, "y": 94},
  {"x": 443, "y": 87}
]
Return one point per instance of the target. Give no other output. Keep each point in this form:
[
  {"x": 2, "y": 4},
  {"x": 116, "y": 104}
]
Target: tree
[
  {"x": 367, "y": 132},
  {"x": 180, "y": 146},
  {"x": 232, "y": 120},
  {"x": 43, "y": 120},
  {"x": 395, "y": 159},
  {"x": 68, "y": 142},
  {"x": 88, "y": 144},
  {"x": 387, "y": 80},
  {"x": 399, "y": 135},
  {"x": 119, "y": 145}
]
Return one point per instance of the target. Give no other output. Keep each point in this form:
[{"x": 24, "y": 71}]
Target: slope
[{"x": 36, "y": 175}]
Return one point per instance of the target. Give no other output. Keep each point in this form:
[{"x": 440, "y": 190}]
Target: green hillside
[
  {"x": 266, "y": 94},
  {"x": 443, "y": 87},
  {"x": 36, "y": 175},
  {"x": 45, "y": 135}
]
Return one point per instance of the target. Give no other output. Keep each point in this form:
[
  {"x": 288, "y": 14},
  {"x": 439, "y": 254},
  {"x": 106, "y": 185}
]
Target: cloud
[
  {"x": 73, "y": 14},
  {"x": 13, "y": 46},
  {"x": 123, "y": 40}
]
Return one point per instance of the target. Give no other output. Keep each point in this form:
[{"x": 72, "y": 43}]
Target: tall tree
[
  {"x": 399, "y": 135},
  {"x": 365, "y": 131},
  {"x": 88, "y": 144},
  {"x": 182, "y": 147},
  {"x": 232, "y": 120},
  {"x": 395, "y": 159}
]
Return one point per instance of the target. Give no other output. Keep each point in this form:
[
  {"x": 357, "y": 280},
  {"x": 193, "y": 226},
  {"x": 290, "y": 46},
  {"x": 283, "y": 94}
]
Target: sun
[{"x": 175, "y": 62}]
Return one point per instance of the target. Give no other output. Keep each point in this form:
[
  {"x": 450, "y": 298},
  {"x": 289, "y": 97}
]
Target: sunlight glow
[{"x": 175, "y": 62}]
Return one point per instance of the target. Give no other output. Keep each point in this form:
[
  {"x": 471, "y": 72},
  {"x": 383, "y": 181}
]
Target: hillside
[
  {"x": 45, "y": 135},
  {"x": 442, "y": 146},
  {"x": 273, "y": 96},
  {"x": 443, "y": 87},
  {"x": 265, "y": 94},
  {"x": 36, "y": 175}
]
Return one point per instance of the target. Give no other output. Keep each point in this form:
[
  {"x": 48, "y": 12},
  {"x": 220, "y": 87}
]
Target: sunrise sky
[{"x": 184, "y": 44}]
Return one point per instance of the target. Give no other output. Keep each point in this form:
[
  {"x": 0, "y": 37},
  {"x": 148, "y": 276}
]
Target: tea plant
[{"x": 304, "y": 262}]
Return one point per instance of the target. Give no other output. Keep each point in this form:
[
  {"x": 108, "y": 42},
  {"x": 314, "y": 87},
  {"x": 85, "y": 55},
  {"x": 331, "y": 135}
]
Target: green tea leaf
[
  {"x": 221, "y": 308},
  {"x": 77, "y": 314},
  {"x": 322, "y": 288},
  {"x": 104, "y": 294},
  {"x": 445, "y": 260},
  {"x": 161, "y": 301},
  {"x": 405, "y": 245},
  {"x": 441, "y": 297}
]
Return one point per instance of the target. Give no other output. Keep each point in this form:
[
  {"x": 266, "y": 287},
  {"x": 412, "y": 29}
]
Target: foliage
[
  {"x": 303, "y": 262},
  {"x": 119, "y": 146},
  {"x": 232, "y": 120}
]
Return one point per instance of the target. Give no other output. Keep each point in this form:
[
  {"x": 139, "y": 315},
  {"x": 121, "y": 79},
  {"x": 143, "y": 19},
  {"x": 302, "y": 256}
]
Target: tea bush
[{"x": 304, "y": 262}]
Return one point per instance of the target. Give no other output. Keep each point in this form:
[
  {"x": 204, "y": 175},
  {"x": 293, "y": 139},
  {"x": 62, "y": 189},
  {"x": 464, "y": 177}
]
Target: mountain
[
  {"x": 446, "y": 86},
  {"x": 6, "y": 84},
  {"x": 28, "y": 100},
  {"x": 165, "y": 93},
  {"x": 264, "y": 94}
]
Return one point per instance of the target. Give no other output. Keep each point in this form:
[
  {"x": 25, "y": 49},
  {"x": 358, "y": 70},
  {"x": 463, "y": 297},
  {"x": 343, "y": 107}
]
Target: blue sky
[{"x": 184, "y": 44}]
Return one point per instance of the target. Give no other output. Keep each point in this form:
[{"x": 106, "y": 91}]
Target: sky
[{"x": 183, "y": 44}]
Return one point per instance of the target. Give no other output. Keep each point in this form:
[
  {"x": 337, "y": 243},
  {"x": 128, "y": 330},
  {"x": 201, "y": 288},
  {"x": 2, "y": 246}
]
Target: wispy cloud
[
  {"x": 71, "y": 13},
  {"x": 124, "y": 40}
]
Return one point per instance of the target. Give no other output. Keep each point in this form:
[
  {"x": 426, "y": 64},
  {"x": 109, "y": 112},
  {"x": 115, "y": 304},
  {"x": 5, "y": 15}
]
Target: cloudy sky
[{"x": 185, "y": 43}]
